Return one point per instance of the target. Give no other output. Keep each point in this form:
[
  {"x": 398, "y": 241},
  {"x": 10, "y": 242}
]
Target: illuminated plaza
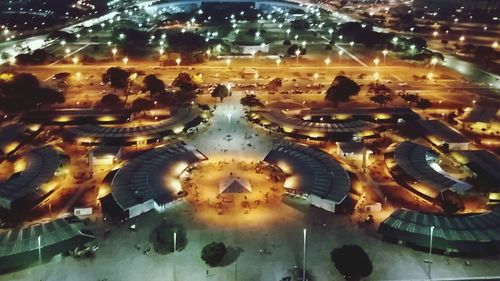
[{"x": 276, "y": 140}]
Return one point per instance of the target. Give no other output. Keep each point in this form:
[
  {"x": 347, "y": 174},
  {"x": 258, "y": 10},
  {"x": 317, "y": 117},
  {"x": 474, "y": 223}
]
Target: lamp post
[
  {"x": 304, "y": 257},
  {"x": 178, "y": 62},
  {"x": 315, "y": 76},
  {"x": 385, "y": 52},
  {"x": 75, "y": 60},
  {"x": 376, "y": 61},
  {"x": 125, "y": 60},
  {"x": 175, "y": 241},
  {"x": 228, "y": 62},
  {"x": 278, "y": 61},
  {"x": 341, "y": 52},
  {"x": 434, "y": 61},
  {"x": 328, "y": 61},
  {"x": 297, "y": 53},
  {"x": 429, "y": 261},
  {"x": 39, "y": 249},
  {"x": 114, "y": 51}
]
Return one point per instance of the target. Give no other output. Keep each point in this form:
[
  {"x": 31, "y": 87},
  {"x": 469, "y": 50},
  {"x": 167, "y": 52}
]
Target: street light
[
  {"x": 39, "y": 249},
  {"x": 114, "y": 51},
  {"x": 434, "y": 61},
  {"x": 75, "y": 60},
  {"x": 175, "y": 241},
  {"x": 161, "y": 51},
  {"x": 178, "y": 61},
  {"x": 315, "y": 76},
  {"x": 385, "y": 52},
  {"x": 328, "y": 61},
  {"x": 304, "y": 44},
  {"x": 228, "y": 62},
  {"x": 351, "y": 43},
  {"x": 430, "y": 249},
  {"x": 462, "y": 39},
  {"x": 297, "y": 53},
  {"x": 494, "y": 45},
  {"x": 341, "y": 52},
  {"x": 67, "y": 51},
  {"x": 125, "y": 60},
  {"x": 376, "y": 61},
  {"x": 278, "y": 61},
  {"x": 304, "y": 257}
]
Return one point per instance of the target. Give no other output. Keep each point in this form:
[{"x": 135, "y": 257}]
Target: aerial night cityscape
[{"x": 251, "y": 140}]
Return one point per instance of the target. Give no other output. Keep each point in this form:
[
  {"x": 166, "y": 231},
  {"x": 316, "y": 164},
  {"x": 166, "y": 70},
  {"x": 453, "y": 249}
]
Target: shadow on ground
[{"x": 231, "y": 256}]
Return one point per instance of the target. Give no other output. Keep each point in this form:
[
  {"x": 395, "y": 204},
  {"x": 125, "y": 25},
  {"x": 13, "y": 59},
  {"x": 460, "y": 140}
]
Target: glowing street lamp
[
  {"x": 75, "y": 60},
  {"x": 288, "y": 32},
  {"x": 304, "y": 44},
  {"x": 376, "y": 61},
  {"x": 341, "y": 52},
  {"x": 494, "y": 45},
  {"x": 434, "y": 61},
  {"x": 385, "y": 52},
  {"x": 462, "y": 39},
  {"x": 161, "y": 51},
  {"x": 278, "y": 61},
  {"x": 125, "y": 60},
  {"x": 328, "y": 61},
  {"x": 351, "y": 43},
  {"x": 330, "y": 31},
  {"x": 114, "y": 51},
  {"x": 67, "y": 51},
  {"x": 435, "y": 33},
  {"x": 395, "y": 40},
  {"x": 297, "y": 53},
  {"x": 178, "y": 62},
  {"x": 315, "y": 76},
  {"x": 228, "y": 62}
]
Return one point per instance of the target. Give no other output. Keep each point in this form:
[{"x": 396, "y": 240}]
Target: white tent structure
[{"x": 235, "y": 185}]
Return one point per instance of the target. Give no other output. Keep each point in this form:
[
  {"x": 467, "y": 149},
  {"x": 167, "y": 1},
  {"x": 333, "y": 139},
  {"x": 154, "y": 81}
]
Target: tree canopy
[
  {"x": 213, "y": 253},
  {"x": 186, "y": 42},
  {"x": 221, "y": 91},
  {"x": 24, "y": 92},
  {"x": 153, "y": 84},
  {"x": 117, "y": 77},
  {"x": 250, "y": 100},
  {"x": 185, "y": 82},
  {"x": 341, "y": 90},
  {"x": 352, "y": 262}
]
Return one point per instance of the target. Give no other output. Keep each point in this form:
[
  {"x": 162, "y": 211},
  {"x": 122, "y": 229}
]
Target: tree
[
  {"x": 220, "y": 91},
  {"x": 162, "y": 238},
  {"x": 250, "y": 100},
  {"x": 186, "y": 42},
  {"x": 299, "y": 24},
  {"x": 185, "y": 82},
  {"x": 142, "y": 104},
  {"x": 341, "y": 90},
  {"x": 111, "y": 101},
  {"x": 153, "y": 84},
  {"x": 410, "y": 98},
  {"x": 424, "y": 104},
  {"x": 293, "y": 48},
  {"x": 352, "y": 262},
  {"x": 118, "y": 78},
  {"x": 381, "y": 99},
  {"x": 213, "y": 253},
  {"x": 24, "y": 92},
  {"x": 275, "y": 84},
  {"x": 37, "y": 57}
]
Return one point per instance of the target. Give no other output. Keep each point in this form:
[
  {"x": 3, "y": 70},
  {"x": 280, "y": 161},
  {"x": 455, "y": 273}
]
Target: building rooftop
[
  {"x": 481, "y": 162},
  {"x": 42, "y": 164},
  {"x": 18, "y": 246},
  {"x": 144, "y": 178},
  {"x": 471, "y": 233},
  {"x": 316, "y": 172},
  {"x": 437, "y": 131},
  {"x": 419, "y": 164}
]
